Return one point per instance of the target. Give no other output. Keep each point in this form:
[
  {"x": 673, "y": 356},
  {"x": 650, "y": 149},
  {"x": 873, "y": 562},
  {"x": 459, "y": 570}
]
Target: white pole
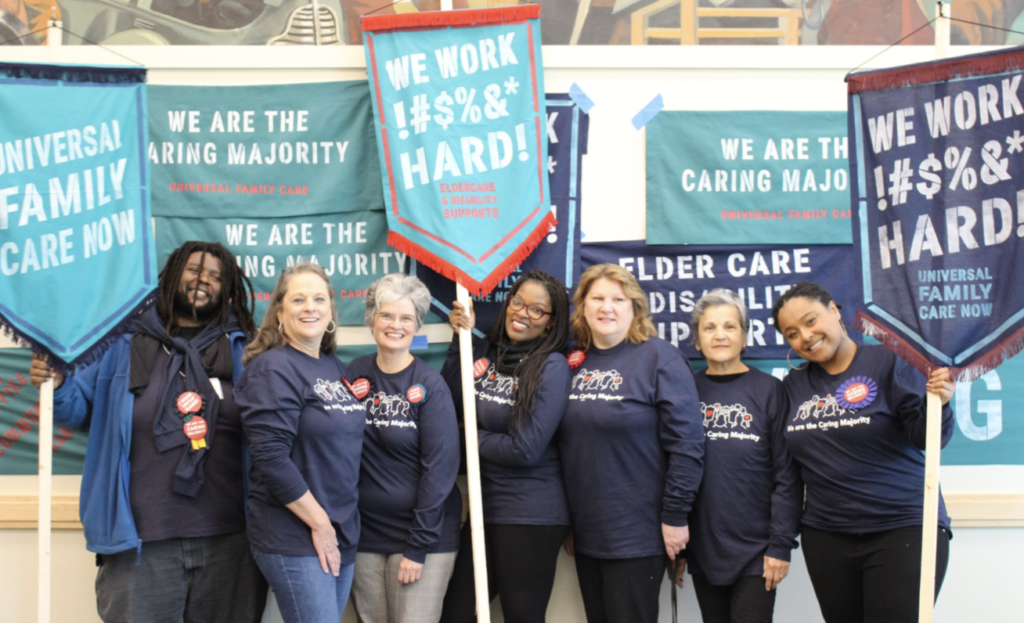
[
  {"x": 930, "y": 525},
  {"x": 54, "y": 36},
  {"x": 942, "y": 30},
  {"x": 54, "y": 41},
  {"x": 45, "y": 495},
  {"x": 932, "y": 450},
  {"x": 476, "y": 510}
]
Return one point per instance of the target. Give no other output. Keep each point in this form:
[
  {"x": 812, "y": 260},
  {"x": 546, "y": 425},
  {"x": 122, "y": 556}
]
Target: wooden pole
[
  {"x": 45, "y": 496},
  {"x": 476, "y": 510},
  {"x": 933, "y": 439}
]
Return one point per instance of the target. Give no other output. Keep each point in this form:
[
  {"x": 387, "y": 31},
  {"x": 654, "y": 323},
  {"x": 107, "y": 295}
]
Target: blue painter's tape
[
  {"x": 648, "y": 112},
  {"x": 582, "y": 100},
  {"x": 419, "y": 342}
]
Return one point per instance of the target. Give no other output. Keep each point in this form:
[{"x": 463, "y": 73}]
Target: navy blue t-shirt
[
  {"x": 632, "y": 448},
  {"x": 408, "y": 500},
  {"x": 858, "y": 437},
  {"x": 305, "y": 433},
  {"x": 161, "y": 513},
  {"x": 750, "y": 499},
  {"x": 520, "y": 472}
]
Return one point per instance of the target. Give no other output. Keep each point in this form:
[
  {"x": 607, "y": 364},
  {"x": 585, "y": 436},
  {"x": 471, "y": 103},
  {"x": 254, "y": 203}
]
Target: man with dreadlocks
[{"x": 162, "y": 499}]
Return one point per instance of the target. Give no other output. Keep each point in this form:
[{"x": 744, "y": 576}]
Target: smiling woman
[
  {"x": 631, "y": 447},
  {"x": 521, "y": 386},
  {"x": 747, "y": 512},
  {"x": 305, "y": 433},
  {"x": 856, "y": 426},
  {"x": 408, "y": 501}
]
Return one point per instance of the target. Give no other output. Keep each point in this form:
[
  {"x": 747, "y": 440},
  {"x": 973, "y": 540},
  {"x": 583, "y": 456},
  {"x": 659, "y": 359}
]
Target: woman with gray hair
[
  {"x": 409, "y": 504},
  {"x": 747, "y": 512}
]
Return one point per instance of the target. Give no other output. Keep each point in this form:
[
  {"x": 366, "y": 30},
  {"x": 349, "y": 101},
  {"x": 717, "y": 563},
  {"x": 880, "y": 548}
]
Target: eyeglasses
[
  {"x": 405, "y": 321},
  {"x": 535, "y": 313}
]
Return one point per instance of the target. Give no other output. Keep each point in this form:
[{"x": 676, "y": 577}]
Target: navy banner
[
  {"x": 675, "y": 276},
  {"x": 938, "y": 198},
  {"x": 559, "y": 253}
]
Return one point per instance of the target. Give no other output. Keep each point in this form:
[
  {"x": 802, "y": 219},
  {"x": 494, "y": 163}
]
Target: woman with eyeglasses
[
  {"x": 522, "y": 386},
  {"x": 409, "y": 504}
]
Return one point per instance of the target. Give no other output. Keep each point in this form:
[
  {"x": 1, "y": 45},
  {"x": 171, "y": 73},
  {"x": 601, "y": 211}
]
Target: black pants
[
  {"x": 521, "y": 563},
  {"x": 870, "y": 578},
  {"x": 745, "y": 601},
  {"x": 621, "y": 590}
]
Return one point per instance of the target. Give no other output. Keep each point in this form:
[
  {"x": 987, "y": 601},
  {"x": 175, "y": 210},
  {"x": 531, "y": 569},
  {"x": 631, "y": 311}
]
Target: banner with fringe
[
  {"x": 76, "y": 244},
  {"x": 458, "y": 109},
  {"x": 938, "y": 209},
  {"x": 559, "y": 252}
]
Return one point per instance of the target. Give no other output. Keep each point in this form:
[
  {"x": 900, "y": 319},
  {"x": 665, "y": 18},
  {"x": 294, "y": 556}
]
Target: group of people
[{"x": 222, "y": 457}]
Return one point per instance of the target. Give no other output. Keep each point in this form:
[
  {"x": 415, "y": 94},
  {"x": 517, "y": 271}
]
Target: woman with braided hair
[{"x": 522, "y": 385}]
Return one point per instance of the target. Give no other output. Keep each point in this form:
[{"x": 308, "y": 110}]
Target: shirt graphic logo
[
  {"x": 387, "y": 406},
  {"x": 596, "y": 385},
  {"x": 331, "y": 391},
  {"x": 725, "y": 416},
  {"x": 497, "y": 383},
  {"x": 597, "y": 380},
  {"x": 388, "y": 410},
  {"x": 819, "y": 408}
]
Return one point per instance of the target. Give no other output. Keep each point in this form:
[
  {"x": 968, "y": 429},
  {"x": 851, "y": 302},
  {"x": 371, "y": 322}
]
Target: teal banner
[
  {"x": 76, "y": 249},
  {"x": 19, "y": 423},
  {"x": 748, "y": 177},
  {"x": 351, "y": 246},
  {"x": 262, "y": 151},
  {"x": 461, "y": 126}
]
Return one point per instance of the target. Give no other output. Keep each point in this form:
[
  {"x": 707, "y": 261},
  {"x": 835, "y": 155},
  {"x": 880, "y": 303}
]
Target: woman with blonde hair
[
  {"x": 305, "y": 433},
  {"x": 632, "y": 449}
]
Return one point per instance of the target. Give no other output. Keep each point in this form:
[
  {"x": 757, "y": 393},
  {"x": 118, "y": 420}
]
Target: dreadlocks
[
  {"x": 236, "y": 289},
  {"x": 529, "y": 370}
]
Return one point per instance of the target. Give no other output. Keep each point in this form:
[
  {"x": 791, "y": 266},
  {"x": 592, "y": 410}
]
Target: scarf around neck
[{"x": 190, "y": 365}]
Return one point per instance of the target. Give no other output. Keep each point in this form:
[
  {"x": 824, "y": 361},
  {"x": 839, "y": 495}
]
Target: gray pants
[
  {"x": 193, "y": 580},
  {"x": 379, "y": 598}
]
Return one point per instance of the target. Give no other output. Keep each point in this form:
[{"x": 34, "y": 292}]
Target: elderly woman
[
  {"x": 856, "y": 425},
  {"x": 632, "y": 449},
  {"x": 747, "y": 513},
  {"x": 521, "y": 385},
  {"x": 305, "y": 432},
  {"x": 408, "y": 501}
]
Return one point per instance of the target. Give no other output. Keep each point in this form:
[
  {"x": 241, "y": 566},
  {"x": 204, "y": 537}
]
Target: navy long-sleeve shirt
[
  {"x": 858, "y": 437},
  {"x": 305, "y": 433},
  {"x": 408, "y": 499},
  {"x": 751, "y": 497},
  {"x": 520, "y": 472},
  {"x": 632, "y": 448}
]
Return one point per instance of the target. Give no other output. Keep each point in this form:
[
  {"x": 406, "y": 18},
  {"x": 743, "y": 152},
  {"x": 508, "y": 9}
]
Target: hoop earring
[
  {"x": 800, "y": 367},
  {"x": 334, "y": 326}
]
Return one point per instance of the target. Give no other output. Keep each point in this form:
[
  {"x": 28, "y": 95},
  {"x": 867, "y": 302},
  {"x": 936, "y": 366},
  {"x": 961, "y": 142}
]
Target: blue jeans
[{"x": 305, "y": 594}]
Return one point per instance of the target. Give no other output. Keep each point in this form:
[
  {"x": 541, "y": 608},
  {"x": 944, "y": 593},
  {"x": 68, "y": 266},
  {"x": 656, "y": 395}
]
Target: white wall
[{"x": 984, "y": 578}]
